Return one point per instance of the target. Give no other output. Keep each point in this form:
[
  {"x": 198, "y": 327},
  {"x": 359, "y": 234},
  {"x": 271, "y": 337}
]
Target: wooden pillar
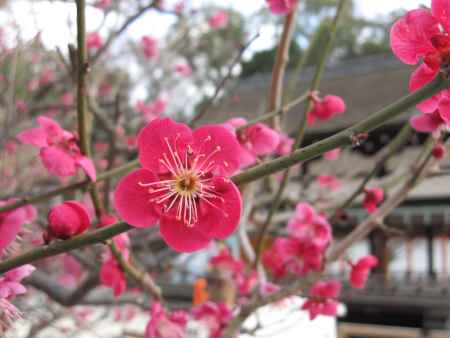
[
  {"x": 430, "y": 251},
  {"x": 378, "y": 247},
  {"x": 444, "y": 242},
  {"x": 409, "y": 251}
]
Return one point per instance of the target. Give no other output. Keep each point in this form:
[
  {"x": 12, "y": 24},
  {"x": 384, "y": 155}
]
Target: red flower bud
[
  {"x": 65, "y": 220},
  {"x": 438, "y": 152}
]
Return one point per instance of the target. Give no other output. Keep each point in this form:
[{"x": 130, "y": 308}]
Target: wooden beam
[{"x": 349, "y": 330}]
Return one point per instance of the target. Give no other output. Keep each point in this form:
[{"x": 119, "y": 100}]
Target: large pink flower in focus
[
  {"x": 11, "y": 222},
  {"x": 255, "y": 140},
  {"x": 421, "y": 37},
  {"x": 289, "y": 255},
  {"x": 59, "y": 150},
  {"x": 163, "y": 325},
  {"x": 66, "y": 220},
  {"x": 218, "y": 20},
  {"x": 183, "y": 183},
  {"x": 323, "y": 299},
  {"x": 215, "y": 316},
  {"x": 326, "y": 108},
  {"x": 310, "y": 227},
  {"x": 361, "y": 270},
  {"x": 281, "y": 7}
]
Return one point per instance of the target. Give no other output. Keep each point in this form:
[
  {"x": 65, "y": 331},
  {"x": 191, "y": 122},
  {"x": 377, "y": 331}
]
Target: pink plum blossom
[
  {"x": 59, "y": 150},
  {"x": 103, "y": 4},
  {"x": 164, "y": 325},
  {"x": 47, "y": 77},
  {"x": 255, "y": 140},
  {"x": 94, "y": 41},
  {"x": 421, "y": 37},
  {"x": 281, "y": 7},
  {"x": 361, "y": 270},
  {"x": 183, "y": 69},
  {"x": 310, "y": 227},
  {"x": 11, "y": 222},
  {"x": 183, "y": 183},
  {"x": 179, "y": 7},
  {"x": 150, "y": 48},
  {"x": 10, "y": 282},
  {"x": 21, "y": 106},
  {"x": 372, "y": 198},
  {"x": 234, "y": 268},
  {"x": 323, "y": 299},
  {"x": 225, "y": 262},
  {"x": 215, "y": 316},
  {"x": 289, "y": 255},
  {"x": 112, "y": 276},
  {"x": 285, "y": 145},
  {"x": 66, "y": 220},
  {"x": 438, "y": 151},
  {"x": 111, "y": 273},
  {"x": 429, "y": 122},
  {"x": 10, "y": 287},
  {"x": 67, "y": 99},
  {"x": 219, "y": 20},
  {"x": 326, "y": 108},
  {"x": 329, "y": 182},
  {"x": 153, "y": 110},
  {"x": 72, "y": 271},
  {"x": 332, "y": 154}
]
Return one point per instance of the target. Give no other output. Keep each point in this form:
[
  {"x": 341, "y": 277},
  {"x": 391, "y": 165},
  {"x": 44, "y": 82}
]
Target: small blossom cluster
[
  {"x": 234, "y": 268},
  {"x": 10, "y": 287},
  {"x": 421, "y": 37},
  {"x": 303, "y": 251},
  {"x": 58, "y": 149},
  {"x": 212, "y": 316}
]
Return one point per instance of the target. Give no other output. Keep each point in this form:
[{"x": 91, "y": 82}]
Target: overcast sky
[{"x": 52, "y": 18}]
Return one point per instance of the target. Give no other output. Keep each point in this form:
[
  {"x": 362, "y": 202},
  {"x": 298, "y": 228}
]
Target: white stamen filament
[{"x": 188, "y": 184}]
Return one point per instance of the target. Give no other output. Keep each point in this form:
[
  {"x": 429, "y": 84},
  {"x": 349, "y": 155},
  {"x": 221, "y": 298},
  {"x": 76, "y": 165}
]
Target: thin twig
[{"x": 222, "y": 82}]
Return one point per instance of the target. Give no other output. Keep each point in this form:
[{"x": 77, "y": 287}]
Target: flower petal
[
  {"x": 180, "y": 237},
  {"x": 218, "y": 145},
  {"x": 58, "y": 162},
  {"x": 220, "y": 217},
  {"x": 441, "y": 11},
  {"x": 10, "y": 227},
  {"x": 419, "y": 78},
  {"x": 35, "y": 136},
  {"x": 88, "y": 167},
  {"x": 132, "y": 201},
  {"x": 410, "y": 36},
  {"x": 425, "y": 123},
  {"x": 264, "y": 140},
  {"x": 153, "y": 142}
]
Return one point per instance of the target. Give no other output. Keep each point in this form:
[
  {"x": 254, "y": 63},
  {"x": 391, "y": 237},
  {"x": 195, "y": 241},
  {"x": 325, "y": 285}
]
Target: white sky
[{"x": 53, "y": 18}]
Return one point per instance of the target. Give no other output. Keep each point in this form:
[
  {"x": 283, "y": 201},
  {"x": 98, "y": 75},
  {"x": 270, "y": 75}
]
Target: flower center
[{"x": 189, "y": 182}]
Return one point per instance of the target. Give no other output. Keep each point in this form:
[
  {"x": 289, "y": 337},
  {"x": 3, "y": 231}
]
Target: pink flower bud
[{"x": 68, "y": 219}]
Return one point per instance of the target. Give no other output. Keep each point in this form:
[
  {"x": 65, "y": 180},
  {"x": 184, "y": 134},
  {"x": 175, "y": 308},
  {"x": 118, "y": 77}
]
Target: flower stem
[
  {"x": 59, "y": 247},
  {"x": 343, "y": 138},
  {"x": 301, "y": 132}
]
